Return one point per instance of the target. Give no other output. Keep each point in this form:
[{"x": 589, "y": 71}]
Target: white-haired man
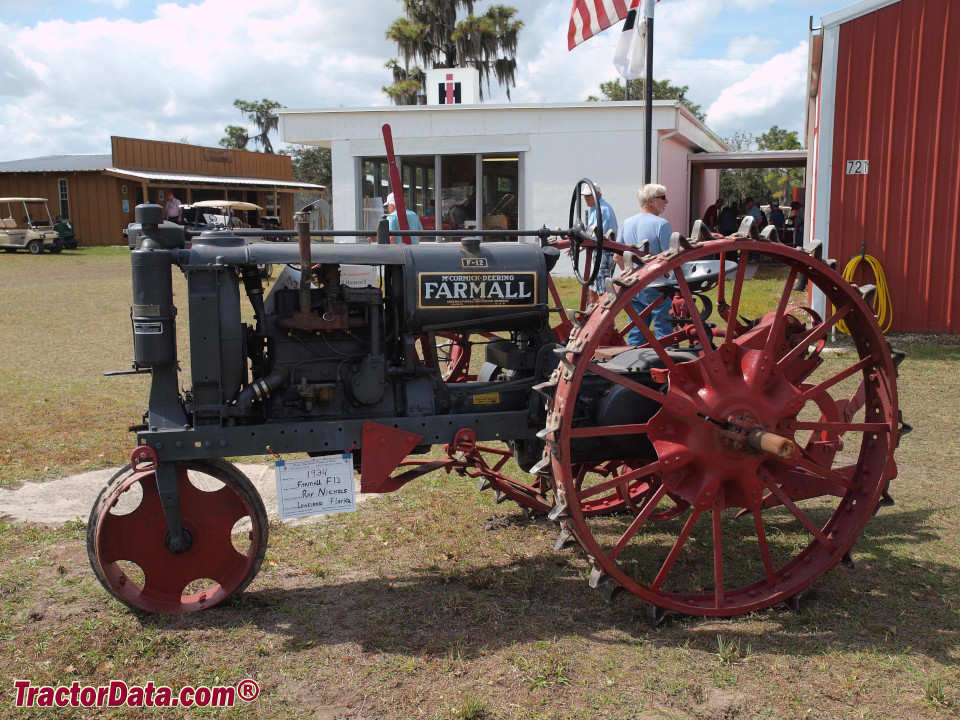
[
  {"x": 413, "y": 222},
  {"x": 647, "y": 225}
]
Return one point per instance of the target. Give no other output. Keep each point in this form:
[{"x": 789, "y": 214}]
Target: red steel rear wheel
[
  {"x": 744, "y": 520},
  {"x": 127, "y": 530}
]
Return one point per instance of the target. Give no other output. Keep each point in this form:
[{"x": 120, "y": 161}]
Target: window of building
[
  {"x": 418, "y": 173},
  {"x": 458, "y": 191},
  {"x": 64, "y": 199},
  {"x": 447, "y": 192},
  {"x": 374, "y": 188},
  {"x": 501, "y": 180}
]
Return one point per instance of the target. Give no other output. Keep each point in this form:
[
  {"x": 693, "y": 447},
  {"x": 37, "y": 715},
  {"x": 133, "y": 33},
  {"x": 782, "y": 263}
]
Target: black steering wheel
[{"x": 578, "y": 233}]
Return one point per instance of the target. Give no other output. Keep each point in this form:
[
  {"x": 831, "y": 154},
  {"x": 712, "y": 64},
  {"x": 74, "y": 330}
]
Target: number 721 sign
[{"x": 857, "y": 167}]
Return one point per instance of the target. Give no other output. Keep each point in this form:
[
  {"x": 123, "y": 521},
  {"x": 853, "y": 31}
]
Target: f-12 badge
[{"x": 478, "y": 262}]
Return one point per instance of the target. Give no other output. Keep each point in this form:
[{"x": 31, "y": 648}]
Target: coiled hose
[{"x": 881, "y": 300}]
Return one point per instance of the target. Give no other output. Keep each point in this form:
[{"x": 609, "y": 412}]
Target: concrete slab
[{"x": 70, "y": 498}]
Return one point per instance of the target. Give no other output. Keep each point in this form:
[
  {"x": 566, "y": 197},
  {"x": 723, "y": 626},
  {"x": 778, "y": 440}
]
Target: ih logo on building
[
  {"x": 453, "y": 86},
  {"x": 450, "y": 91}
]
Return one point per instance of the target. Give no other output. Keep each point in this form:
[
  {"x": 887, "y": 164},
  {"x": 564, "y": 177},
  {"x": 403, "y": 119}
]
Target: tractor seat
[
  {"x": 701, "y": 276},
  {"x": 641, "y": 360}
]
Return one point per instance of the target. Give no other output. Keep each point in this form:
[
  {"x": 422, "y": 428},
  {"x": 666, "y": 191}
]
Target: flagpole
[{"x": 648, "y": 106}]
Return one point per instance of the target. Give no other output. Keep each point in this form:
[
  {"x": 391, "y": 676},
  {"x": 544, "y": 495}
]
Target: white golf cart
[
  {"x": 30, "y": 232},
  {"x": 206, "y": 216}
]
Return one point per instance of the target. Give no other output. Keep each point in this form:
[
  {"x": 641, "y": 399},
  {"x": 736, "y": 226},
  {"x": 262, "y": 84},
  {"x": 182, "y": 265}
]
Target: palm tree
[
  {"x": 262, "y": 116},
  {"x": 236, "y": 138},
  {"x": 430, "y": 34}
]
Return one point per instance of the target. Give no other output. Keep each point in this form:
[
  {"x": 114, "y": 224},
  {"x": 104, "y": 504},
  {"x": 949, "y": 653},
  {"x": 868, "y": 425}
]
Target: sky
[{"x": 75, "y": 72}]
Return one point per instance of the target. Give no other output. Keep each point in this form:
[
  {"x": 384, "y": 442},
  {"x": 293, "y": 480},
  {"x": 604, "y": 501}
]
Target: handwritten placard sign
[{"x": 315, "y": 486}]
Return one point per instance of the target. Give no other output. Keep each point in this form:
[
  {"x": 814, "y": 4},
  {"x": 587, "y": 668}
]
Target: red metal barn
[{"x": 884, "y": 166}]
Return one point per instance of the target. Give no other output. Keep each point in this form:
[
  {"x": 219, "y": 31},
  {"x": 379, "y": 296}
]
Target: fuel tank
[{"x": 482, "y": 286}]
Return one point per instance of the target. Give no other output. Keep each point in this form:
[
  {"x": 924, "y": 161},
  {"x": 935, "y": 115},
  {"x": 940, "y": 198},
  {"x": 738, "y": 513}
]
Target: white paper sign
[{"x": 315, "y": 486}]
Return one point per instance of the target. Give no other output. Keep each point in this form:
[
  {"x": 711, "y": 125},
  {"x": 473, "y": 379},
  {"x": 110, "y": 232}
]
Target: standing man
[
  {"x": 413, "y": 222},
  {"x": 648, "y": 225},
  {"x": 609, "y": 218},
  {"x": 754, "y": 211},
  {"x": 172, "y": 210},
  {"x": 797, "y": 215},
  {"x": 776, "y": 216},
  {"x": 727, "y": 221},
  {"x": 711, "y": 214}
]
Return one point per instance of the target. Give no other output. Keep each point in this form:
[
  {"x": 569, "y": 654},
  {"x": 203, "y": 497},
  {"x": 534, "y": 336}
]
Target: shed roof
[
  {"x": 58, "y": 163},
  {"x": 187, "y": 179}
]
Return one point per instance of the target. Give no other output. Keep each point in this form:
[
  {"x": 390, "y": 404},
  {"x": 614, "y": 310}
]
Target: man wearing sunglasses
[{"x": 648, "y": 226}]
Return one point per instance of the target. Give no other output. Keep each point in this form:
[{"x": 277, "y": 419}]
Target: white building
[{"x": 511, "y": 166}]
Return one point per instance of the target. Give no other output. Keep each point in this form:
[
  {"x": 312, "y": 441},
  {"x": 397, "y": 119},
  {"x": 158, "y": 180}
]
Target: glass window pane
[
  {"x": 64, "y": 201},
  {"x": 501, "y": 175},
  {"x": 458, "y": 197},
  {"x": 374, "y": 184}
]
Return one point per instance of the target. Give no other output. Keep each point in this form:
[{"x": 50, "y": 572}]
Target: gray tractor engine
[{"x": 308, "y": 369}]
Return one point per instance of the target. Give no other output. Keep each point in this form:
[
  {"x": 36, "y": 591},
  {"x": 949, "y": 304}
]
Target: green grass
[{"x": 409, "y": 608}]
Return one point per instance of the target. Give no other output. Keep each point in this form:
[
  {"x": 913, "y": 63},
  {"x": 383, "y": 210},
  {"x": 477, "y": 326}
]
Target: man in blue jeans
[{"x": 647, "y": 225}]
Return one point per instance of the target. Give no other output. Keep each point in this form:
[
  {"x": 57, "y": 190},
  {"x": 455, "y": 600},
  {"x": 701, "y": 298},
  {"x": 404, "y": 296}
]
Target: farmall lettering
[{"x": 476, "y": 289}]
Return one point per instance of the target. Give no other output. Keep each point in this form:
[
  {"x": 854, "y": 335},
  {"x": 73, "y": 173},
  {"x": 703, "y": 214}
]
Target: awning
[
  {"x": 750, "y": 159},
  {"x": 180, "y": 179}
]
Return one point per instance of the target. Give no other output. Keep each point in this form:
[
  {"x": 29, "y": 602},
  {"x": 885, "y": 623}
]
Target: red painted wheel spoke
[
  {"x": 605, "y": 430},
  {"x": 705, "y": 337},
  {"x": 823, "y": 386},
  {"x": 802, "y": 517},
  {"x": 732, "y": 322},
  {"x": 764, "y": 548},
  {"x": 625, "y": 382},
  {"x": 818, "y": 332},
  {"x": 218, "y": 510},
  {"x": 675, "y": 550},
  {"x": 648, "y": 335},
  {"x": 627, "y": 477},
  {"x": 648, "y": 507},
  {"x": 722, "y": 280},
  {"x": 839, "y": 428},
  {"x": 805, "y": 462},
  {"x": 778, "y": 320},
  {"x": 718, "y": 559},
  {"x": 162, "y": 588},
  {"x": 137, "y": 536}
]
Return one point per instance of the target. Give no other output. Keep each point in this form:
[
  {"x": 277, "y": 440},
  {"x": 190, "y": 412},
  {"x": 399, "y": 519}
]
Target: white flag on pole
[{"x": 630, "y": 57}]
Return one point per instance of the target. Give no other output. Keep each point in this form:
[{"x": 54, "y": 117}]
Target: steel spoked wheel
[
  {"x": 770, "y": 455},
  {"x": 227, "y": 526}
]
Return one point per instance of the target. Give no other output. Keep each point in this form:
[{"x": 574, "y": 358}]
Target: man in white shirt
[
  {"x": 172, "y": 210},
  {"x": 647, "y": 225}
]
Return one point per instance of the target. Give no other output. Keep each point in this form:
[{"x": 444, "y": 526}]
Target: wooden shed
[
  {"x": 885, "y": 151},
  {"x": 99, "y": 192}
]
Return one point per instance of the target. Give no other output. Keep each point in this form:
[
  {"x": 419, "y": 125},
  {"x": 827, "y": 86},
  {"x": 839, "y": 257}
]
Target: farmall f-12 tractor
[{"x": 714, "y": 471}]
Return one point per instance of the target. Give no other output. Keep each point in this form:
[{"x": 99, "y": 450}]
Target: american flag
[{"x": 590, "y": 17}]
